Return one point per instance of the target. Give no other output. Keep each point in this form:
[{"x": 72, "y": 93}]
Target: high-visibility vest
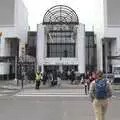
[{"x": 38, "y": 76}]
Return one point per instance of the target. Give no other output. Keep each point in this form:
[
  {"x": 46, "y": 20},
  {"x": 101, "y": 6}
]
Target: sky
[{"x": 37, "y": 8}]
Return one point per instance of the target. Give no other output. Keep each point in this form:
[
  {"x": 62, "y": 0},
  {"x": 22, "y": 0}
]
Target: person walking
[
  {"x": 44, "y": 78},
  {"x": 86, "y": 86},
  {"x": 100, "y": 94},
  {"x": 38, "y": 79},
  {"x": 72, "y": 76},
  {"x": 58, "y": 78},
  {"x": 68, "y": 75},
  {"x": 87, "y": 83}
]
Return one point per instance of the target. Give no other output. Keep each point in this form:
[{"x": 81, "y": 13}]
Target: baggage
[{"x": 101, "y": 89}]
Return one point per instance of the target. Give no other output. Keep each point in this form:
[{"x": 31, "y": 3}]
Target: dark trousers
[
  {"x": 37, "y": 85},
  {"x": 86, "y": 89}
]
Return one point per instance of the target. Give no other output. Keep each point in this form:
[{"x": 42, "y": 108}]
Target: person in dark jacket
[
  {"x": 44, "y": 78},
  {"x": 72, "y": 76}
]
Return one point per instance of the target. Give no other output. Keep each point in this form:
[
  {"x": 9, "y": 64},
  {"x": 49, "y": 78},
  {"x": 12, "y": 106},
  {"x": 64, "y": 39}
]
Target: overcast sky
[{"x": 37, "y": 8}]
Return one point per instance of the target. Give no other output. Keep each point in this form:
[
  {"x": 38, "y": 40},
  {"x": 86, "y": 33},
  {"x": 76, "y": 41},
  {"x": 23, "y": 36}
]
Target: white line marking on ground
[
  {"x": 3, "y": 94},
  {"x": 49, "y": 95}
]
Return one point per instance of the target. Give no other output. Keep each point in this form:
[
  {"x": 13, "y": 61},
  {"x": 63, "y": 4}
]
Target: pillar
[
  {"x": 40, "y": 46},
  {"x": 81, "y": 48}
]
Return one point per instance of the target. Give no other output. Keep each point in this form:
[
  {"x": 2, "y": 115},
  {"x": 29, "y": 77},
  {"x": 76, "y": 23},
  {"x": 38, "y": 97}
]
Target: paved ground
[
  {"x": 52, "y": 104},
  {"x": 6, "y": 92},
  {"x": 11, "y": 84},
  {"x": 10, "y": 87},
  {"x": 51, "y": 93}
]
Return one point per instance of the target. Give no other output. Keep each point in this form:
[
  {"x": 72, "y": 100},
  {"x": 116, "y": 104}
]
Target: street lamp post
[
  {"x": 22, "y": 67},
  {"x": 16, "y": 79},
  {"x": 0, "y": 43}
]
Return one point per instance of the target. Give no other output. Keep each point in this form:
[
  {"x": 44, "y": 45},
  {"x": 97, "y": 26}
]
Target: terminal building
[
  {"x": 61, "y": 41},
  {"x": 13, "y": 35}
]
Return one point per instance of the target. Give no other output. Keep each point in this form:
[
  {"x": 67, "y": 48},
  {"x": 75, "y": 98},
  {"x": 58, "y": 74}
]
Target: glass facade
[
  {"x": 61, "y": 43},
  {"x": 60, "y": 37},
  {"x": 61, "y": 31},
  {"x": 91, "y": 58},
  {"x": 61, "y": 50}
]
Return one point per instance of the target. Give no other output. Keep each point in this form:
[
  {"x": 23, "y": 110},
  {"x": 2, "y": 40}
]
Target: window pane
[{"x": 61, "y": 50}]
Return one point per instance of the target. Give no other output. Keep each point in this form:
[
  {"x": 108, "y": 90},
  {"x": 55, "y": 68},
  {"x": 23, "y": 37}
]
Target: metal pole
[
  {"x": 23, "y": 69},
  {"x": 0, "y": 45},
  {"x": 22, "y": 76},
  {"x": 106, "y": 47},
  {"x": 16, "y": 71},
  {"x": 8, "y": 70}
]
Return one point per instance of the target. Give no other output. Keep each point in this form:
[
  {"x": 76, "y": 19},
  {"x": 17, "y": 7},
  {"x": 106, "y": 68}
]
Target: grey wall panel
[
  {"x": 7, "y": 8},
  {"x": 113, "y": 12}
]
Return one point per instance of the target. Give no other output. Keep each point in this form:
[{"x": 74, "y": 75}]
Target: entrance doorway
[{"x": 65, "y": 69}]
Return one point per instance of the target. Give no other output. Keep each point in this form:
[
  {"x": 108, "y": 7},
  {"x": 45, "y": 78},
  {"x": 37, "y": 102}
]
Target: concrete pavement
[
  {"x": 55, "y": 107},
  {"x": 12, "y": 84},
  {"x": 52, "y": 93},
  {"x": 53, "y": 104},
  {"x": 7, "y": 87},
  {"x": 10, "y": 87}
]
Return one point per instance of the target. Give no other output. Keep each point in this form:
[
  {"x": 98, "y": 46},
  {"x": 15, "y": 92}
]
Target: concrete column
[
  {"x": 40, "y": 46},
  {"x": 81, "y": 48},
  {"x": 99, "y": 54}
]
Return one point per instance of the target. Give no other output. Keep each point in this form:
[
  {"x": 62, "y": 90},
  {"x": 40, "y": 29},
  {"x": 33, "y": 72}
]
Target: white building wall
[
  {"x": 15, "y": 29},
  {"x": 21, "y": 23},
  {"x": 112, "y": 11},
  {"x": 7, "y": 12}
]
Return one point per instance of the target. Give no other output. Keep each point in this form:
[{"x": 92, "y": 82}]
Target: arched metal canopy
[{"x": 60, "y": 14}]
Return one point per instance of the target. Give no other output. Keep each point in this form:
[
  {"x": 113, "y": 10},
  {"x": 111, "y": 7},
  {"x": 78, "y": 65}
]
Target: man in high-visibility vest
[{"x": 38, "y": 79}]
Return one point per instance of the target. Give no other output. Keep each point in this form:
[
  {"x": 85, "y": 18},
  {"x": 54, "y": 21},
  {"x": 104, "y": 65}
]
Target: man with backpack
[{"x": 100, "y": 92}]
